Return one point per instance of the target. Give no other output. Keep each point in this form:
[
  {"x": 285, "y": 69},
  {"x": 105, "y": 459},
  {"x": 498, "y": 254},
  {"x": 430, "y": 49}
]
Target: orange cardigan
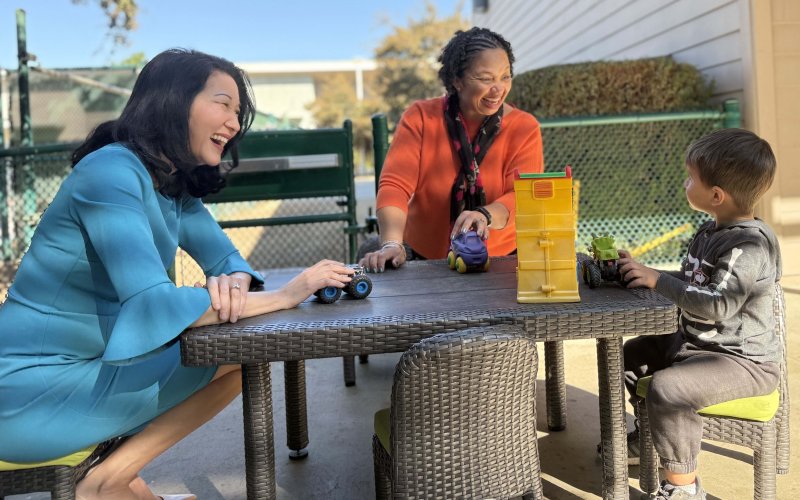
[{"x": 421, "y": 167}]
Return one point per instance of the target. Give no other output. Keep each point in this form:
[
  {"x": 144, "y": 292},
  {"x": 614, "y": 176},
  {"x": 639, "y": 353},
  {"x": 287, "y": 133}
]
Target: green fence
[
  {"x": 630, "y": 171},
  {"x": 631, "y": 174}
]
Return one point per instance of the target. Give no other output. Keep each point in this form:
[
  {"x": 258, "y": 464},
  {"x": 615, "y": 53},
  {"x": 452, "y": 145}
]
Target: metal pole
[
  {"x": 26, "y": 136},
  {"x": 733, "y": 115},
  {"x": 24, "y": 174},
  {"x": 6, "y": 211},
  {"x": 380, "y": 143}
]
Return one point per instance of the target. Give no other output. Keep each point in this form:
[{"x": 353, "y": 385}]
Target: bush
[{"x": 650, "y": 85}]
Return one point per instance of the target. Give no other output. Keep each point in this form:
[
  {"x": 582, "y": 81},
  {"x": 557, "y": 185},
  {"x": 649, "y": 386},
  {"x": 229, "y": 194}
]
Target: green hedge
[{"x": 650, "y": 85}]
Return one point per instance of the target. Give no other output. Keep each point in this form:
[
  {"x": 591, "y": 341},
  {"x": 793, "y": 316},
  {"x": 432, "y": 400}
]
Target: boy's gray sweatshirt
[{"x": 725, "y": 290}]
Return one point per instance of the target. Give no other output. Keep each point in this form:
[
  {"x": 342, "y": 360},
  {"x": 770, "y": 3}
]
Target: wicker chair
[
  {"x": 769, "y": 440},
  {"x": 59, "y": 479},
  {"x": 463, "y": 419}
]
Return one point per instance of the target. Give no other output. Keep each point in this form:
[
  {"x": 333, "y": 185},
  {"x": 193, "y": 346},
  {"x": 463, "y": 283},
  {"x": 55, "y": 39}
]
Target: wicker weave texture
[
  {"x": 768, "y": 440},
  {"x": 259, "y": 442},
  {"x": 296, "y": 413},
  {"x": 419, "y": 301},
  {"x": 463, "y": 417},
  {"x": 59, "y": 480}
]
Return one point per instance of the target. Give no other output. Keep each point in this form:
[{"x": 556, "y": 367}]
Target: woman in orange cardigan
[{"x": 451, "y": 164}]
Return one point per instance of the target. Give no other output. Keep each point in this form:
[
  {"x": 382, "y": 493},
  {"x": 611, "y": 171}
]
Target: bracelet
[
  {"x": 486, "y": 214},
  {"x": 395, "y": 244}
]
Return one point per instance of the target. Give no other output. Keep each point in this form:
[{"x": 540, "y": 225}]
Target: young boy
[{"x": 726, "y": 346}]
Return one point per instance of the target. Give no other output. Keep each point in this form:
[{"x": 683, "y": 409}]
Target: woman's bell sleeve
[
  {"x": 201, "y": 236},
  {"x": 113, "y": 202}
]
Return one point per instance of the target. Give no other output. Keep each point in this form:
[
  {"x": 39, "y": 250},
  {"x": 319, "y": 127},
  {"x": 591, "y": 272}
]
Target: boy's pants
[{"x": 684, "y": 382}]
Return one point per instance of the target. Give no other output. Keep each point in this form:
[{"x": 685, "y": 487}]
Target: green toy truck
[{"x": 601, "y": 265}]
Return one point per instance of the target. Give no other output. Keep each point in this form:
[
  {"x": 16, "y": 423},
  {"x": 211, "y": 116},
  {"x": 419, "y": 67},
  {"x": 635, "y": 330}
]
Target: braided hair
[{"x": 459, "y": 52}]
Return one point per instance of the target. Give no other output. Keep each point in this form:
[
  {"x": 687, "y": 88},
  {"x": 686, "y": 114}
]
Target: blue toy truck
[{"x": 358, "y": 288}]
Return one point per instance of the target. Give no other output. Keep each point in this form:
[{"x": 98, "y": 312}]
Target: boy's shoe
[
  {"x": 668, "y": 491},
  {"x": 633, "y": 447}
]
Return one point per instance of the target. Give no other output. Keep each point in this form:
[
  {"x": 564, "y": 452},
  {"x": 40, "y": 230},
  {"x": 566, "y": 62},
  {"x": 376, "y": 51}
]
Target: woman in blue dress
[{"x": 88, "y": 332}]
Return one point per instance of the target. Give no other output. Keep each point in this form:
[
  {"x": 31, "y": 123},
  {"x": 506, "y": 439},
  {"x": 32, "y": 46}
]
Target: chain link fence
[
  {"x": 267, "y": 247},
  {"x": 30, "y": 178},
  {"x": 630, "y": 170},
  {"x": 66, "y": 109}
]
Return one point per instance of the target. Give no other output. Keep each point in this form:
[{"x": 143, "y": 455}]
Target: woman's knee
[{"x": 223, "y": 370}]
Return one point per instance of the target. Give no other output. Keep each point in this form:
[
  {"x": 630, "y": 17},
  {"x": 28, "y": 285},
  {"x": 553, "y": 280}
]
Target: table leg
[
  {"x": 349, "y": 367},
  {"x": 612, "y": 418},
  {"x": 555, "y": 386},
  {"x": 294, "y": 376},
  {"x": 259, "y": 444}
]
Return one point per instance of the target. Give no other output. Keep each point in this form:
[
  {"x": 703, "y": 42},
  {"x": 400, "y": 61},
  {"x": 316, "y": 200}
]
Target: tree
[
  {"x": 121, "y": 17},
  {"x": 336, "y": 100},
  {"x": 407, "y": 71},
  {"x": 407, "y": 60},
  {"x": 135, "y": 59}
]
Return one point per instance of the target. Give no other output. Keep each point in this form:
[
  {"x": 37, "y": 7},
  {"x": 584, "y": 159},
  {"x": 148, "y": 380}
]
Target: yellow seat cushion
[
  {"x": 382, "y": 426},
  {"x": 70, "y": 460},
  {"x": 758, "y": 408}
]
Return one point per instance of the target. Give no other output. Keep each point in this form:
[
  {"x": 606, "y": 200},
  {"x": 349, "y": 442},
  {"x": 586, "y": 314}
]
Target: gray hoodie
[{"x": 725, "y": 290}]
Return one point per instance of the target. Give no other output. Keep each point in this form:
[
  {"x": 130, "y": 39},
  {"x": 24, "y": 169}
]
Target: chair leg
[
  {"x": 555, "y": 386},
  {"x": 349, "y": 366},
  {"x": 63, "y": 484},
  {"x": 648, "y": 458},
  {"x": 381, "y": 466},
  {"x": 764, "y": 465},
  {"x": 782, "y": 437},
  {"x": 294, "y": 374}
]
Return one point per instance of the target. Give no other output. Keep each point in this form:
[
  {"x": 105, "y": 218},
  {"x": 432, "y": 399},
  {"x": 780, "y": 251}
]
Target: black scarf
[{"x": 467, "y": 193}]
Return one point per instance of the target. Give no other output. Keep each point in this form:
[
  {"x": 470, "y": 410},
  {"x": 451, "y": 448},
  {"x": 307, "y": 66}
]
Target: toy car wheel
[
  {"x": 461, "y": 266},
  {"x": 591, "y": 274},
  {"x": 359, "y": 288},
  {"x": 451, "y": 259},
  {"x": 329, "y": 294},
  {"x": 581, "y": 260}
]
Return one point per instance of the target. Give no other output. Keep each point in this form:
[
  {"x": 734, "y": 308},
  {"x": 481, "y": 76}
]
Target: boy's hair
[{"x": 736, "y": 160}]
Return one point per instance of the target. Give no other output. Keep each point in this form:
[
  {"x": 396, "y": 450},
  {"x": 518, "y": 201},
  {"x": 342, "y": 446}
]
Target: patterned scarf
[{"x": 467, "y": 193}]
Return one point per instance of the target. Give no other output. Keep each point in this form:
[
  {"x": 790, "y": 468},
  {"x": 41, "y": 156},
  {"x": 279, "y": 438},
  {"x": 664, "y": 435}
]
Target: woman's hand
[
  {"x": 471, "y": 219},
  {"x": 228, "y": 294},
  {"x": 634, "y": 273},
  {"x": 320, "y": 275},
  {"x": 375, "y": 262}
]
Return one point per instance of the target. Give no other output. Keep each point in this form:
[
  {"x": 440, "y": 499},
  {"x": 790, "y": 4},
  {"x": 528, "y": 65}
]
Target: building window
[{"x": 480, "y": 6}]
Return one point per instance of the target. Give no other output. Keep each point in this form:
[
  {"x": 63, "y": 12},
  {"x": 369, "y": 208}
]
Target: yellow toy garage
[{"x": 545, "y": 238}]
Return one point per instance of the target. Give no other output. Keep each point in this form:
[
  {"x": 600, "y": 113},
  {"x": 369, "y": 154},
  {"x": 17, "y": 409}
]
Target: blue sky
[{"x": 62, "y": 34}]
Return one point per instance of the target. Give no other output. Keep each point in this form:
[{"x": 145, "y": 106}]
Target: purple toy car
[{"x": 468, "y": 253}]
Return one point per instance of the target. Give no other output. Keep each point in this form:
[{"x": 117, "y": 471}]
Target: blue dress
[{"x": 88, "y": 333}]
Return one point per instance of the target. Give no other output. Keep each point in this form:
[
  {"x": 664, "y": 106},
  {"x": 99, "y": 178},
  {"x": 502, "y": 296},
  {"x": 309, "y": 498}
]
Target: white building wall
[
  {"x": 712, "y": 35},
  {"x": 286, "y": 88},
  {"x": 285, "y": 97}
]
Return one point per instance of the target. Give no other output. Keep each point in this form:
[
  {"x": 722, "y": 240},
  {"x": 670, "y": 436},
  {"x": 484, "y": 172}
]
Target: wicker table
[{"x": 421, "y": 299}]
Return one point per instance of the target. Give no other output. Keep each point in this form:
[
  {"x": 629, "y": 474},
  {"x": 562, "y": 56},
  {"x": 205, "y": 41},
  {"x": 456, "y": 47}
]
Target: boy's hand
[{"x": 634, "y": 273}]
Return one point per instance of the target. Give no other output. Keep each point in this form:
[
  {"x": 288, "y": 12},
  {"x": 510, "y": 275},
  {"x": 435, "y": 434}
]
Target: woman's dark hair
[
  {"x": 459, "y": 52},
  {"x": 155, "y": 121}
]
